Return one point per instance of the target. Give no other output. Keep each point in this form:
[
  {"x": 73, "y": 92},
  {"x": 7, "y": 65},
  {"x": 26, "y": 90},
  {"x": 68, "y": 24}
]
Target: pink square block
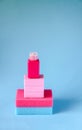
[
  {"x": 33, "y": 92},
  {"x": 34, "y": 82},
  {"x": 34, "y": 87},
  {"x": 30, "y": 94}
]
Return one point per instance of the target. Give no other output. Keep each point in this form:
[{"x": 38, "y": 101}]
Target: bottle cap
[{"x": 33, "y": 56}]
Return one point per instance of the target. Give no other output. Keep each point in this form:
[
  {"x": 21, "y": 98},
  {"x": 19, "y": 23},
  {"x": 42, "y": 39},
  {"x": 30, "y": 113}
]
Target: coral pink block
[
  {"x": 31, "y": 94},
  {"x": 47, "y": 101},
  {"x": 33, "y": 88},
  {"x": 38, "y": 82},
  {"x": 33, "y": 68}
]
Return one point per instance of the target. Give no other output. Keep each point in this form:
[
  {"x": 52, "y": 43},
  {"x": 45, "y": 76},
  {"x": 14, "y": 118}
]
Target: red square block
[{"x": 46, "y": 101}]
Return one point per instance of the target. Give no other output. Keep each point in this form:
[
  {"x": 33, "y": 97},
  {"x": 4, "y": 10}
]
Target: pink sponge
[
  {"x": 47, "y": 101},
  {"x": 31, "y": 82},
  {"x": 34, "y": 87}
]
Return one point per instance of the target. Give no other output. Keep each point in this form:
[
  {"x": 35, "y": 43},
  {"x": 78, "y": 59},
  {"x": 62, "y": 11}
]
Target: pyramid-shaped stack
[{"x": 34, "y": 99}]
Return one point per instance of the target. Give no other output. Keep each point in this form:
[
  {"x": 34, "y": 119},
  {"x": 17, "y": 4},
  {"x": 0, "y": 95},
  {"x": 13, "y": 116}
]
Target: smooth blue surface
[
  {"x": 34, "y": 110},
  {"x": 54, "y": 29}
]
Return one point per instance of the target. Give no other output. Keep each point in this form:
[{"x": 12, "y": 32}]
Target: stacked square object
[{"x": 34, "y": 99}]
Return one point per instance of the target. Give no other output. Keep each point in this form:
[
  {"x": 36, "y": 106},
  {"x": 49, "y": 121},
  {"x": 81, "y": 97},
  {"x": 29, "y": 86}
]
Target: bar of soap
[{"x": 34, "y": 87}]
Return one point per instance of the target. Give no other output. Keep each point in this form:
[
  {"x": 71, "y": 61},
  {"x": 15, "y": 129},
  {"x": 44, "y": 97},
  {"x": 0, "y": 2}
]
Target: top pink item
[{"x": 33, "y": 65}]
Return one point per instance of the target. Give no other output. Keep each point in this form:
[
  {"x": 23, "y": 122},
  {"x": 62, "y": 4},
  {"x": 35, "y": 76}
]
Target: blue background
[{"x": 53, "y": 28}]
